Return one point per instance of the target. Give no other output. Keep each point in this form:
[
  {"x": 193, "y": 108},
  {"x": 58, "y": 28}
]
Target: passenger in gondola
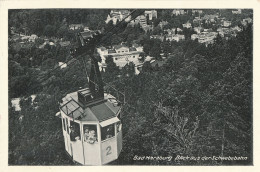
[
  {"x": 86, "y": 134},
  {"x": 73, "y": 134},
  {"x": 92, "y": 136}
]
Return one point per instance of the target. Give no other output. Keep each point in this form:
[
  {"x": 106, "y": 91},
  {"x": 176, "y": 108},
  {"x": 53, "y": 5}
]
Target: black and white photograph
[{"x": 130, "y": 86}]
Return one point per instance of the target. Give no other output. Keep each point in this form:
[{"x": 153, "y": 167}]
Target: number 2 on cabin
[{"x": 108, "y": 150}]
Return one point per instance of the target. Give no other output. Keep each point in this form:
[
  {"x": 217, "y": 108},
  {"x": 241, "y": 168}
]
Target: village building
[
  {"x": 162, "y": 24},
  {"x": 62, "y": 65},
  {"x": 169, "y": 31},
  {"x": 226, "y": 23},
  {"x": 197, "y": 11},
  {"x": 157, "y": 63},
  {"x": 25, "y": 38},
  {"x": 187, "y": 25},
  {"x": 178, "y": 12},
  {"x": 118, "y": 15},
  {"x": 47, "y": 42},
  {"x": 160, "y": 37},
  {"x": 33, "y": 38},
  {"x": 87, "y": 34},
  {"x": 139, "y": 20},
  {"x": 64, "y": 43},
  {"x": 148, "y": 28},
  {"x": 76, "y": 26},
  {"x": 246, "y": 21},
  {"x": 151, "y": 14},
  {"x": 16, "y": 102},
  {"x": 170, "y": 37},
  {"x": 176, "y": 37},
  {"x": 205, "y": 37},
  {"x": 198, "y": 29},
  {"x": 86, "y": 29},
  {"x": 197, "y": 21},
  {"x": 121, "y": 54},
  {"x": 210, "y": 18},
  {"x": 236, "y": 29},
  {"x": 236, "y": 11}
]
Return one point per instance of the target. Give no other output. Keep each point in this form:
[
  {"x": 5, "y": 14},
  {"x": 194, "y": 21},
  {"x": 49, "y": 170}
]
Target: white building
[
  {"x": 62, "y": 65},
  {"x": 76, "y": 26},
  {"x": 33, "y": 38},
  {"x": 236, "y": 11},
  {"x": 152, "y": 14},
  {"x": 227, "y": 23},
  {"x": 198, "y": 29},
  {"x": 197, "y": 11},
  {"x": 139, "y": 20},
  {"x": 162, "y": 24},
  {"x": 246, "y": 21},
  {"x": 178, "y": 12},
  {"x": 176, "y": 37},
  {"x": 16, "y": 102},
  {"x": 121, "y": 54},
  {"x": 205, "y": 37},
  {"x": 187, "y": 25},
  {"x": 118, "y": 15}
]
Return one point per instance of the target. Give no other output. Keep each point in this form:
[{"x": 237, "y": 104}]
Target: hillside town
[{"x": 197, "y": 25}]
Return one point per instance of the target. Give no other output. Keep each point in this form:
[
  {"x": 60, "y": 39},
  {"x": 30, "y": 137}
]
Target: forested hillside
[
  {"x": 199, "y": 103},
  {"x": 53, "y": 22}
]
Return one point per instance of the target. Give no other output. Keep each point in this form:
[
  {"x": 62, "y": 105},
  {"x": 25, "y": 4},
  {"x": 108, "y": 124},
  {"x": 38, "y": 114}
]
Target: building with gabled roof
[
  {"x": 32, "y": 38},
  {"x": 118, "y": 15},
  {"x": 121, "y": 54},
  {"x": 76, "y": 26},
  {"x": 151, "y": 14}
]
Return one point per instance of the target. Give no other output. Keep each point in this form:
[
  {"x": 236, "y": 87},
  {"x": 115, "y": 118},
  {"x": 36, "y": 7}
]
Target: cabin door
[{"x": 76, "y": 142}]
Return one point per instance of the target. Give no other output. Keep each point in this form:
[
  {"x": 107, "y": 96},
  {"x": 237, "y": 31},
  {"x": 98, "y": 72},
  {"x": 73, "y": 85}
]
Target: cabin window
[
  {"x": 64, "y": 125},
  {"x": 118, "y": 127},
  {"x": 67, "y": 124},
  {"x": 107, "y": 132},
  {"x": 74, "y": 131},
  {"x": 90, "y": 133}
]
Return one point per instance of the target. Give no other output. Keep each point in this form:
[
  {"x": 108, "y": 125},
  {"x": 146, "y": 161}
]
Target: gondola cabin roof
[{"x": 98, "y": 110}]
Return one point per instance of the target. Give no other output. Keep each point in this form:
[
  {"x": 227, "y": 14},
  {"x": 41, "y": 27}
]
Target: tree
[
  {"x": 62, "y": 31},
  {"x": 156, "y": 49},
  {"x": 49, "y": 31},
  {"x": 166, "y": 47},
  {"x": 112, "y": 70}
]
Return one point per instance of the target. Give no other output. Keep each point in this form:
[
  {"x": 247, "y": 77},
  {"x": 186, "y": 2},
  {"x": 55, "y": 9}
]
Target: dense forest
[{"x": 199, "y": 103}]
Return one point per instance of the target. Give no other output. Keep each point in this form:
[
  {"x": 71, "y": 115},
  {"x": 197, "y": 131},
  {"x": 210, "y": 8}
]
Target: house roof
[
  {"x": 33, "y": 36},
  {"x": 111, "y": 51},
  {"x": 122, "y": 11},
  {"x": 135, "y": 45},
  {"x": 65, "y": 43},
  {"x": 116, "y": 47},
  {"x": 132, "y": 49},
  {"x": 79, "y": 25},
  {"x": 87, "y": 34},
  {"x": 157, "y": 62},
  {"x": 102, "y": 48}
]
